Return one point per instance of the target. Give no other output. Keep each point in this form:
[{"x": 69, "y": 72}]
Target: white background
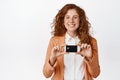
[{"x": 25, "y": 27}]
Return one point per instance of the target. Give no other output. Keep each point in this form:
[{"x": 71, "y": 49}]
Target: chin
[{"x": 72, "y": 30}]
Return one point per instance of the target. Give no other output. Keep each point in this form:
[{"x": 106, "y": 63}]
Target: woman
[{"x": 71, "y": 28}]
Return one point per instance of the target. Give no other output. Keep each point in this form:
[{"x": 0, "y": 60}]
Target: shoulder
[
  {"x": 53, "y": 38},
  {"x": 57, "y": 39},
  {"x": 93, "y": 40}
]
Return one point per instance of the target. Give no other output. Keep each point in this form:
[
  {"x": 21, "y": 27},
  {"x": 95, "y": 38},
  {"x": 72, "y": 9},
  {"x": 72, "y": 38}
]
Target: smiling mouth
[{"x": 71, "y": 25}]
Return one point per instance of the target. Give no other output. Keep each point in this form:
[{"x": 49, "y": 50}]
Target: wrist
[
  {"x": 52, "y": 60},
  {"x": 88, "y": 57}
]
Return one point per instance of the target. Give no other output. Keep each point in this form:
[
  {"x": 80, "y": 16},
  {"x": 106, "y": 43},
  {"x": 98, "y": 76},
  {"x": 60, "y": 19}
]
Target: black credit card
[{"x": 71, "y": 48}]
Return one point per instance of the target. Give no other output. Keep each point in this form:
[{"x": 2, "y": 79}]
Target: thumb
[{"x": 81, "y": 53}]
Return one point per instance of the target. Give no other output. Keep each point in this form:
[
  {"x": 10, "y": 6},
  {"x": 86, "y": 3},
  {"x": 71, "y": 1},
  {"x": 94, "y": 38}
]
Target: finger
[
  {"x": 61, "y": 53},
  {"x": 57, "y": 48},
  {"x": 80, "y": 53},
  {"x": 62, "y": 46},
  {"x": 78, "y": 47},
  {"x": 88, "y": 46},
  {"x": 79, "y": 44},
  {"x": 82, "y": 45},
  {"x": 85, "y": 46},
  {"x": 54, "y": 48}
]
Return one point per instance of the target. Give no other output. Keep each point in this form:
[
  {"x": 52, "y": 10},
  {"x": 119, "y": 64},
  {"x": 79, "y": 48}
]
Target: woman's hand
[
  {"x": 85, "y": 50},
  {"x": 56, "y": 52}
]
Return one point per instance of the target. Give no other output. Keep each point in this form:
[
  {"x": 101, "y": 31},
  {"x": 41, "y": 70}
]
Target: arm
[
  {"x": 93, "y": 63},
  {"x": 47, "y": 68}
]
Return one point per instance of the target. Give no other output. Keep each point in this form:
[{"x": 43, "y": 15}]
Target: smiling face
[{"x": 71, "y": 21}]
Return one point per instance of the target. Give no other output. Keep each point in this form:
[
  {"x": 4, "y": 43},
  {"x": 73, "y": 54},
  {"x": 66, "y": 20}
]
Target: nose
[{"x": 71, "y": 20}]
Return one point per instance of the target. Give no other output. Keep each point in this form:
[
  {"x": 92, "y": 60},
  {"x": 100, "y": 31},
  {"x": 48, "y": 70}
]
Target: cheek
[
  {"x": 65, "y": 24},
  {"x": 77, "y": 23}
]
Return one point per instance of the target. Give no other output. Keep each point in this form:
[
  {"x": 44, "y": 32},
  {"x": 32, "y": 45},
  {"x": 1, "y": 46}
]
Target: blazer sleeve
[
  {"x": 93, "y": 63},
  {"x": 47, "y": 68}
]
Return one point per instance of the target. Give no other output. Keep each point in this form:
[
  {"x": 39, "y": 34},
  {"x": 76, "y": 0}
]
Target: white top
[{"x": 73, "y": 63}]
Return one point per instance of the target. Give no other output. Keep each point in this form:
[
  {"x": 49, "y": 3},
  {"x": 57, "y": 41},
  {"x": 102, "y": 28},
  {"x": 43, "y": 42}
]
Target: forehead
[{"x": 71, "y": 12}]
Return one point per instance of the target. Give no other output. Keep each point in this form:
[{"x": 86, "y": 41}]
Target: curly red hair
[{"x": 83, "y": 30}]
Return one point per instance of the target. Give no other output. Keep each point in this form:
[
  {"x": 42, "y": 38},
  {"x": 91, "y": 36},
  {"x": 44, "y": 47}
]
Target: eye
[
  {"x": 75, "y": 17},
  {"x": 67, "y": 17}
]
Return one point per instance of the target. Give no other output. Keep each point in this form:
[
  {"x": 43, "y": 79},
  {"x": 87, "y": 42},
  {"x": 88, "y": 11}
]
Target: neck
[{"x": 72, "y": 34}]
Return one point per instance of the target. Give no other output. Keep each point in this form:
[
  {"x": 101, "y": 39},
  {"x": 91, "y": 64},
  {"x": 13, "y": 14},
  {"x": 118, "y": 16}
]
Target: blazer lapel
[{"x": 62, "y": 41}]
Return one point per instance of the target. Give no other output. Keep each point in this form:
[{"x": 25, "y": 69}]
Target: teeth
[{"x": 71, "y": 24}]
